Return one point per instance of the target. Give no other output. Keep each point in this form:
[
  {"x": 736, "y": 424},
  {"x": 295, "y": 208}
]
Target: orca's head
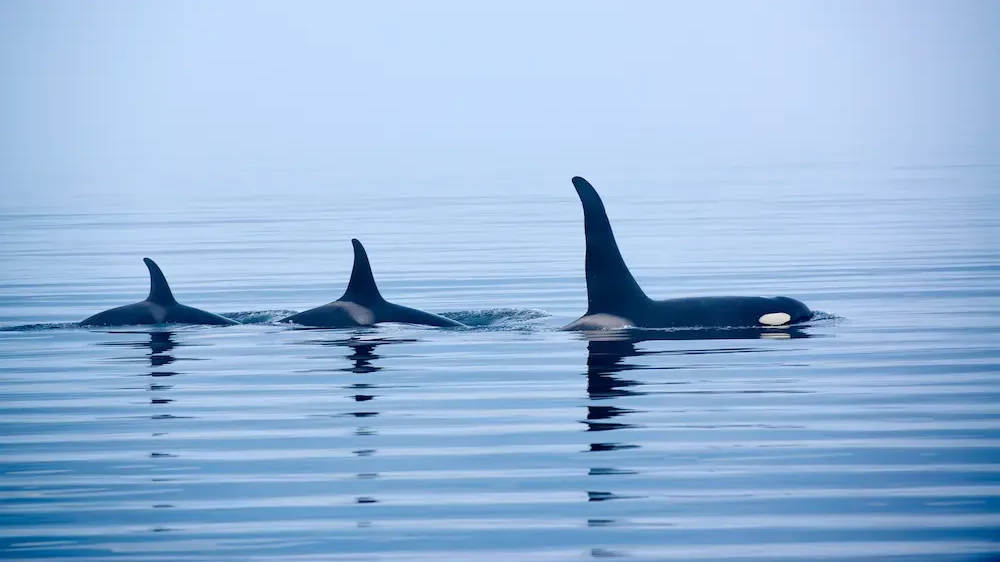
[{"x": 798, "y": 311}]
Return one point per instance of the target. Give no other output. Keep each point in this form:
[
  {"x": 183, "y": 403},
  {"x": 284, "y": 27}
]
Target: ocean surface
[{"x": 871, "y": 434}]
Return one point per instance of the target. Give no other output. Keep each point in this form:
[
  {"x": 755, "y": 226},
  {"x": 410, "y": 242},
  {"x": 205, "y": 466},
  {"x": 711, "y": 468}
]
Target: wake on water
[
  {"x": 258, "y": 316},
  {"x": 497, "y": 318},
  {"x": 472, "y": 318}
]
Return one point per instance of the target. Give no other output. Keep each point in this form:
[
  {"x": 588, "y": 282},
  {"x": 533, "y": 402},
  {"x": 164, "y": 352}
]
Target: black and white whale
[
  {"x": 615, "y": 300},
  {"x": 363, "y": 305},
  {"x": 160, "y": 307}
]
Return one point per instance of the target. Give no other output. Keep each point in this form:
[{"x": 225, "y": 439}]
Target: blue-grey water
[{"x": 874, "y": 436}]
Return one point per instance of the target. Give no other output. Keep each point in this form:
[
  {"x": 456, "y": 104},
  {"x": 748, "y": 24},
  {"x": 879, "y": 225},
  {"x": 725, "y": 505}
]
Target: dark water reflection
[
  {"x": 159, "y": 346},
  {"x": 611, "y": 357},
  {"x": 361, "y": 352}
]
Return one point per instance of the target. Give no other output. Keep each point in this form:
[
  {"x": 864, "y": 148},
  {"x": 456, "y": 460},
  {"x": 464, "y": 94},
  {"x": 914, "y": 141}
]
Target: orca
[
  {"x": 160, "y": 307},
  {"x": 363, "y": 305},
  {"x": 615, "y": 300}
]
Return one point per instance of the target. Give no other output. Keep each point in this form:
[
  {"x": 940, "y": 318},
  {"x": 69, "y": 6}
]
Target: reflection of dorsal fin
[
  {"x": 610, "y": 286},
  {"x": 361, "y": 288},
  {"x": 159, "y": 291}
]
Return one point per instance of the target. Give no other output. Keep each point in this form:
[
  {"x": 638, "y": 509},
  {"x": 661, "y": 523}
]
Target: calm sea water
[{"x": 874, "y": 434}]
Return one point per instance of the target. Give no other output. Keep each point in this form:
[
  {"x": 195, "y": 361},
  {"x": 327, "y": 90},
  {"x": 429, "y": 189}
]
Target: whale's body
[
  {"x": 160, "y": 307},
  {"x": 363, "y": 305},
  {"x": 615, "y": 300}
]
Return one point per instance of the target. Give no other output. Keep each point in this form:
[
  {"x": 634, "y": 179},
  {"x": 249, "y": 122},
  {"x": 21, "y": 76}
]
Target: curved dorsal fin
[
  {"x": 361, "y": 289},
  {"x": 159, "y": 291},
  {"x": 610, "y": 285}
]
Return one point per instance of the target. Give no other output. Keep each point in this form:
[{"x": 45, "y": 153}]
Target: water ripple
[{"x": 873, "y": 433}]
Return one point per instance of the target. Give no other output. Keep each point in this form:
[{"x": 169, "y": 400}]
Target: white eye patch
[{"x": 775, "y": 318}]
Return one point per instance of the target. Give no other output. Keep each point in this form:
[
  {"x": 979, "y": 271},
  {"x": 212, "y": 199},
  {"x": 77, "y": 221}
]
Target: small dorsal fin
[
  {"x": 361, "y": 289},
  {"x": 159, "y": 291},
  {"x": 610, "y": 285}
]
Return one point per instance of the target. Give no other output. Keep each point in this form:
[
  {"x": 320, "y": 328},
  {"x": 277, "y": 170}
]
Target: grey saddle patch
[
  {"x": 599, "y": 322},
  {"x": 159, "y": 313},
  {"x": 360, "y": 314}
]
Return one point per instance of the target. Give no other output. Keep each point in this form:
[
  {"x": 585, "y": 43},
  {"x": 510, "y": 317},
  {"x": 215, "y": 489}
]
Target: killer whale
[
  {"x": 615, "y": 300},
  {"x": 363, "y": 305},
  {"x": 160, "y": 307}
]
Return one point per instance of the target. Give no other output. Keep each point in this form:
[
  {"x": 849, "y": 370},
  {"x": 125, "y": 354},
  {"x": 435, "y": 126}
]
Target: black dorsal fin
[
  {"x": 361, "y": 289},
  {"x": 611, "y": 289},
  {"x": 159, "y": 291}
]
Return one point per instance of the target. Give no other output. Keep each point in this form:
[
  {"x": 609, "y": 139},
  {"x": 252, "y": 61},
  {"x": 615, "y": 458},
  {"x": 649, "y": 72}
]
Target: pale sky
[{"x": 123, "y": 95}]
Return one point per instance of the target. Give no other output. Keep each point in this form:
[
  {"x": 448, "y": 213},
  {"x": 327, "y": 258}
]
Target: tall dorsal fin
[
  {"x": 610, "y": 285},
  {"x": 361, "y": 289},
  {"x": 159, "y": 291}
]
